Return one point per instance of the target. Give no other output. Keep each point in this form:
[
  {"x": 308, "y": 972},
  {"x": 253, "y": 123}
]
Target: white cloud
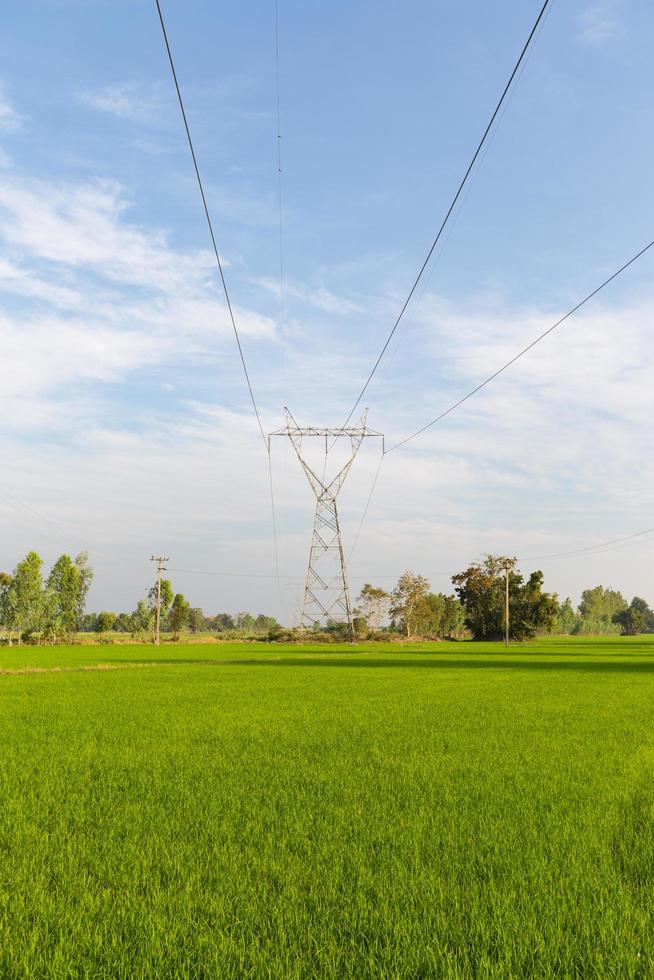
[
  {"x": 130, "y": 100},
  {"x": 319, "y": 297},
  {"x": 10, "y": 119},
  {"x": 598, "y": 24},
  {"x": 91, "y": 298}
]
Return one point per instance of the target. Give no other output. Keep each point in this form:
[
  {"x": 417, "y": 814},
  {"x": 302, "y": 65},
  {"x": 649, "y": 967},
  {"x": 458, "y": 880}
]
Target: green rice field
[{"x": 260, "y": 811}]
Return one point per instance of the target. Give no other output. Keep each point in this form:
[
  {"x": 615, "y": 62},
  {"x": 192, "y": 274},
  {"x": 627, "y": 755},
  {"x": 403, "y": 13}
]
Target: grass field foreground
[{"x": 437, "y": 810}]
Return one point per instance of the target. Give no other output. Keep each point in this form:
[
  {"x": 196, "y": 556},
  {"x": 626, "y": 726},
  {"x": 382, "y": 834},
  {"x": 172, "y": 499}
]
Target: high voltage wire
[
  {"x": 496, "y": 374},
  {"x": 280, "y": 201},
  {"x": 592, "y": 547},
  {"x": 219, "y": 263},
  {"x": 452, "y": 205},
  {"x": 367, "y": 507},
  {"x": 524, "y": 350},
  {"x": 208, "y": 217},
  {"x": 282, "y": 307}
]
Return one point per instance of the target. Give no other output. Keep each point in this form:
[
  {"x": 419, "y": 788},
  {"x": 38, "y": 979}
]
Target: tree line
[
  {"x": 477, "y": 608},
  {"x": 52, "y": 608}
]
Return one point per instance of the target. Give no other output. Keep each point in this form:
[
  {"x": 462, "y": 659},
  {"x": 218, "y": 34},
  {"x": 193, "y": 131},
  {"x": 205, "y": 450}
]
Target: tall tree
[
  {"x": 6, "y": 608},
  {"x": 27, "y": 595},
  {"x": 141, "y": 620},
  {"x": 374, "y": 605},
  {"x": 566, "y": 618},
  {"x": 481, "y": 589},
  {"x": 178, "y": 615},
  {"x": 62, "y": 601},
  {"x": 165, "y": 599},
  {"x": 244, "y": 622},
  {"x": 601, "y": 604},
  {"x": 636, "y": 618},
  {"x": 86, "y": 577},
  {"x": 195, "y": 620},
  {"x": 439, "y": 615},
  {"x": 104, "y": 621},
  {"x": 406, "y": 598}
]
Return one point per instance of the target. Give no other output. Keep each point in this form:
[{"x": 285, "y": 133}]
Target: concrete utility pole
[
  {"x": 326, "y": 592},
  {"x": 160, "y": 560},
  {"x": 508, "y": 566},
  {"x": 506, "y": 607}
]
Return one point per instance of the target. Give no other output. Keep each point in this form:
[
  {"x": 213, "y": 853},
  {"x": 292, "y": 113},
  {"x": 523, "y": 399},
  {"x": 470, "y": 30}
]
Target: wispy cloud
[
  {"x": 598, "y": 24},
  {"x": 129, "y": 100},
  {"x": 10, "y": 119},
  {"x": 91, "y": 297},
  {"x": 319, "y": 297}
]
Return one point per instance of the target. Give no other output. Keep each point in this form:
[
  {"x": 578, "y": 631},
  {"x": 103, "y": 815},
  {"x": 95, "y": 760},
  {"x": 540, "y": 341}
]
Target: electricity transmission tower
[
  {"x": 160, "y": 560},
  {"x": 326, "y": 592}
]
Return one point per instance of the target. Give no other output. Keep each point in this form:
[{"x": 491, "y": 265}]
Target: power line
[
  {"x": 366, "y": 508},
  {"x": 592, "y": 547},
  {"x": 201, "y": 571},
  {"x": 280, "y": 202},
  {"x": 219, "y": 263},
  {"x": 282, "y": 308},
  {"x": 453, "y": 204},
  {"x": 208, "y": 217},
  {"x": 524, "y": 350}
]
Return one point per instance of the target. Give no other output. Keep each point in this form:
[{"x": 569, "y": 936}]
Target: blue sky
[{"x": 126, "y": 425}]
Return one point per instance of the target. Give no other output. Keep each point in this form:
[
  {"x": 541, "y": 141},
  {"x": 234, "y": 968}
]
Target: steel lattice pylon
[{"x": 326, "y": 592}]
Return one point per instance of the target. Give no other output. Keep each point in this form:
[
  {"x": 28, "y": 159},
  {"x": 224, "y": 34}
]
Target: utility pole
[
  {"x": 326, "y": 592},
  {"x": 506, "y": 606},
  {"x": 160, "y": 560},
  {"x": 508, "y": 564}
]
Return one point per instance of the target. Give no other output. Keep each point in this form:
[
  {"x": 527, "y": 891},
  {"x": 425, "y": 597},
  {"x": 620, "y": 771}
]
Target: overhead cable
[
  {"x": 280, "y": 203},
  {"x": 592, "y": 547},
  {"x": 524, "y": 350},
  {"x": 220, "y": 267},
  {"x": 453, "y": 203},
  {"x": 208, "y": 217}
]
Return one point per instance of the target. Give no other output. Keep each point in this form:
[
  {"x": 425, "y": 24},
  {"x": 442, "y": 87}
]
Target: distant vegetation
[{"x": 38, "y": 609}]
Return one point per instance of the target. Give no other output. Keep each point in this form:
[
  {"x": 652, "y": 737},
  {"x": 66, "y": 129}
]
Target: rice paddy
[{"x": 250, "y": 811}]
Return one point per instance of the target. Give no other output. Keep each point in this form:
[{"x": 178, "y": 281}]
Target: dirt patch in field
[{"x": 5, "y": 671}]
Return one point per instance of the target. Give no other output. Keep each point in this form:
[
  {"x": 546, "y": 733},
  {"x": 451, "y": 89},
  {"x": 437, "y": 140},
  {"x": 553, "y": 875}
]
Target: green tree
[
  {"x": 406, "y": 598},
  {"x": 223, "y": 622},
  {"x": 439, "y": 615},
  {"x": 533, "y": 611},
  {"x": 104, "y": 621},
  {"x": 167, "y": 596},
  {"x": 635, "y": 619},
  {"x": 5, "y": 604},
  {"x": 263, "y": 624},
  {"x": 245, "y": 622},
  {"x": 62, "y": 600},
  {"x": 165, "y": 602},
  {"x": 26, "y": 595},
  {"x": 566, "y": 618},
  {"x": 85, "y": 579},
  {"x": 178, "y": 615},
  {"x": 122, "y": 623},
  {"x": 600, "y": 604},
  {"x": 373, "y": 603},
  {"x": 196, "y": 620},
  {"x": 481, "y": 589},
  {"x": 141, "y": 621}
]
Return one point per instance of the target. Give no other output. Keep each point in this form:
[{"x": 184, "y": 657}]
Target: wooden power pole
[{"x": 160, "y": 560}]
